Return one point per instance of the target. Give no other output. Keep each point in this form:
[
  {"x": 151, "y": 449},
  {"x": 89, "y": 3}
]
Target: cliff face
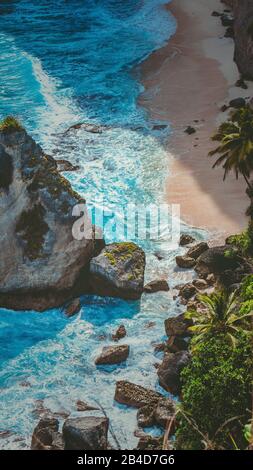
[
  {"x": 40, "y": 262},
  {"x": 243, "y": 29}
]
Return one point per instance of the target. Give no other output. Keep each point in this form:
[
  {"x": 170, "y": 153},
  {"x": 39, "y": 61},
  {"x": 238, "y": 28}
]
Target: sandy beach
[{"x": 186, "y": 83}]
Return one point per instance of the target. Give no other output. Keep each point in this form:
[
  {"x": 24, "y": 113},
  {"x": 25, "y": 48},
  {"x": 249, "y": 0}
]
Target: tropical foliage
[
  {"x": 219, "y": 315},
  {"x": 235, "y": 139},
  {"x": 216, "y": 395}
]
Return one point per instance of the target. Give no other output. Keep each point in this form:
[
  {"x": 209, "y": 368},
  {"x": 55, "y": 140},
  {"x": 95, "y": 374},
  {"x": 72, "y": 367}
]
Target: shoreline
[{"x": 186, "y": 83}]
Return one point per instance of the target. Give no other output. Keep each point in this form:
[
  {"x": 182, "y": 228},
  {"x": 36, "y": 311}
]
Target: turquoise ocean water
[{"x": 64, "y": 62}]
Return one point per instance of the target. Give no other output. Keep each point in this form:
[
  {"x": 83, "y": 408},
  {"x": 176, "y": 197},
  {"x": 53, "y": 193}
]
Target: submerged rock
[
  {"x": 73, "y": 308},
  {"x": 156, "y": 286},
  {"x": 113, "y": 355},
  {"x": 119, "y": 333},
  {"x": 118, "y": 271},
  {"x": 40, "y": 261},
  {"x": 186, "y": 239},
  {"x": 86, "y": 433},
  {"x": 134, "y": 395},
  {"x": 170, "y": 369}
]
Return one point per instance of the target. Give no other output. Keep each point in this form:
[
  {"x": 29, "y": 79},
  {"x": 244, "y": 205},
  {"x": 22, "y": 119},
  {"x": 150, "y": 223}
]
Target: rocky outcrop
[
  {"x": 128, "y": 393},
  {"x": 42, "y": 265},
  {"x": 86, "y": 433},
  {"x": 243, "y": 35},
  {"x": 113, "y": 355},
  {"x": 40, "y": 260},
  {"x": 118, "y": 271},
  {"x": 225, "y": 262}
]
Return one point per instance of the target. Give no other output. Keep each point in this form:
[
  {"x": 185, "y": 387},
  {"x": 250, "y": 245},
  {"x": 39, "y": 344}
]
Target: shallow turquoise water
[{"x": 63, "y": 63}]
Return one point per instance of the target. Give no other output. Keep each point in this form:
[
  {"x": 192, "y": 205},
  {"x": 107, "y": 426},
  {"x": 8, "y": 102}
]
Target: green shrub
[
  {"x": 243, "y": 241},
  {"x": 247, "y": 295},
  {"x": 9, "y": 124},
  {"x": 216, "y": 388}
]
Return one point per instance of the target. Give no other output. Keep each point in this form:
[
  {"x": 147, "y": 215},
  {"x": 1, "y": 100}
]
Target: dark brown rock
[
  {"x": 175, "y": 344},
  {"x": 186, "y": 239},
  {"x": 185, "y": 262},
  {"x": 134, "y": 395},
  {"x": 156, "y": 286},
  {"x": 177, "y": 326},
  {"x": 150, "y": 443},
  {"x": 44, "y": 434},
  {"x": 170, "y": 370},
  {"x": 237, "y": 103},
  {"x": 145, "y": 416},
  {"x": 197, "y": 250},
  {"x": 200, "y": 284},
  {"x": 113, "y": 355},
  {"x": 190, "y": 130},
  {"x": 119, "y": 333},
  {"x": 86, "y": 433},
  {"x": 187, "y": 291},
  {"x": 164, "y": 412},
  {"x": 73, "y": 308}
]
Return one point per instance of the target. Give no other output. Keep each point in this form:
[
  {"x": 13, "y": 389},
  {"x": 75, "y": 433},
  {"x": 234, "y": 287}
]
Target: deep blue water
[{"x": 64, "y": 62}]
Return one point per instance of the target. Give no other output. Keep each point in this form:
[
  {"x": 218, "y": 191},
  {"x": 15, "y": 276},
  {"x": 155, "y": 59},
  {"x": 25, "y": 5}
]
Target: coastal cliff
[
  {"x": 41, "y": 264},
  {"x": 243, "y": 35}
]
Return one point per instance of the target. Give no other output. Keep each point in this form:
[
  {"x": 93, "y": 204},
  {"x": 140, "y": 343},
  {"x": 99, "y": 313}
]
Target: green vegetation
[
  {"x": 10, "y": 124},
  {"x": 243, "y": 241},
  {"x": 236, "y": 144},
  {"x": 216, "y": 395},
  {"x": 219, "y": 315},
  {"x": 32, "y": 229}
]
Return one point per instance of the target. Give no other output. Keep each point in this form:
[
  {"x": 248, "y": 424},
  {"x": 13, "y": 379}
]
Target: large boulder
[
  {"x": 243, "y": 34},
  {"x": 86, "y": 433},
  {"x": 225, "y": 262},
  {"x": 197, "y": 250},
  {"x": 113, "y": 355},
  {"x": 118, "y": 271},
  {"x": 128, "y": 393},
  {"x": 156, "y": 286},
  {"x": 178, "y": 326},
  {"x": 170, "y": 369},
  {"x": 41, "y": 262},
  {"x": 45, "y": 435},
  {"x": 185, "y": 262}
]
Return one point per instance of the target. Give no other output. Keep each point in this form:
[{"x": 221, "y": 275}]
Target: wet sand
[{"x": 186, "y": 83}]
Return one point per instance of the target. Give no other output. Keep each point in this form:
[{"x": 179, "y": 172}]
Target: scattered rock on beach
[
  {"x": 237, "y": 103},
  {"x": 227, "y": 20},
  {"x": 118, "y": 271},
  {"x": 156, "y": 286},
  {"x": 186, "y": 239},
  {"x": 190, "y": 130},
  {"x": 119, "y": 333},
  {"x": 185, "y": 262},
  {"x": 128, "y": 393},
  {"x": 113, "y": 355},
  {"x": 241, "y": 84}
]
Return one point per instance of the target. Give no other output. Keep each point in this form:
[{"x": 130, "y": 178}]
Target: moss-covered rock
[{"x": 118, "y": 271}]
